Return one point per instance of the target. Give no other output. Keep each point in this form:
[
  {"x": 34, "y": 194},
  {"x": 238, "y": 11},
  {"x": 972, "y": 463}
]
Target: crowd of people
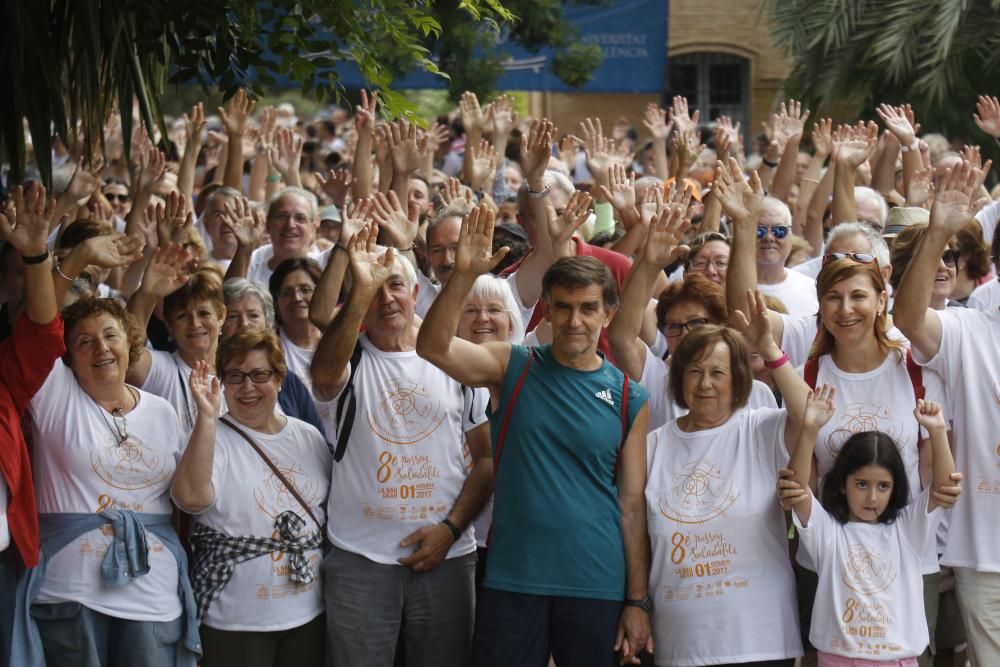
[{"x": 260, "y": 375}]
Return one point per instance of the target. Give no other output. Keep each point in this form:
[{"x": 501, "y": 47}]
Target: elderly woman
[
  {"x": 292, "y": 286},
  {"x": 709, "y": 256},
  {"x": 257, "y": 485},
  {"x": 722, "y": 587},
  {"x": 193, "y": 310},
  {"x": 681, "y": 308},
  {"x": 250, "y": 307},
  {"x": 111, "y": 587}
]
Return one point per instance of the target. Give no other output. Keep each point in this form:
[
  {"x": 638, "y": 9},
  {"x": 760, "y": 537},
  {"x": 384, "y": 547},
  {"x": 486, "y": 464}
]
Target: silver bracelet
[{"x": 540, "y": 195}]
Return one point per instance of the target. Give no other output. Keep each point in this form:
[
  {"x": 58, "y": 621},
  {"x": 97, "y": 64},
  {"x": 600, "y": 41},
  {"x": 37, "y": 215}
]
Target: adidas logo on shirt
[{"x": 605, "y": 395}]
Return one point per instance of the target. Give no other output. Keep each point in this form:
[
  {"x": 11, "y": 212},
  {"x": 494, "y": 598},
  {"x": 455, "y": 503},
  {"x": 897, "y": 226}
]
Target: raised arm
[
  {"x": 471, "y": 364},
  {"x": 191, "y": 486},
  {"x": 809, "y": 184},
  {"x": 662, "y": 248},
  {"x": 911, "y": 308},
  {"x": 323, "y": 306},
  {"x": 364, "y": 127},
  {"x": 930, "y": 416},
  {"x": 368, "y": 272},
  {"x": 405, "y": 152},
  {"x": 857, "y": 147},
  {"x": 194, "y": 125},
  {"x": 247, "y": 226},
  {"x": 535, "y": 151},
  {"x": 27, "y": 230},
  {"x": 286, "y": 156},
  {"x": 655, "y": 120},
  {"x": 789, "y": 126},
  {"x": 235, "y": 117},
  {"x": 819, "y": 410}
]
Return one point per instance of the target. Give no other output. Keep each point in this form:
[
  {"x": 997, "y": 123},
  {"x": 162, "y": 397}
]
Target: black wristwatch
[{"x": 644, "y": 603}]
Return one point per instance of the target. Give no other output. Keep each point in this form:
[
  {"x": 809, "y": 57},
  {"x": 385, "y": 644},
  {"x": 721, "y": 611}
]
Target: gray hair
[
  {"x": 224, "y": 191},
  {"x": 781, "y": 207},
  {"x": 861, "y": 191},
  {"x": 878, "y": 246},
  {"x": 404, "y": 261},
  {"x": 309, "y": 197},
  {"x": 488, "y": 286},
  {"x": 235, "y": 289}
]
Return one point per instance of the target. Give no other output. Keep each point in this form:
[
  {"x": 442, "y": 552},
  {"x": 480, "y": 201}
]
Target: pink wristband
[{"x": 779, "y": 362}]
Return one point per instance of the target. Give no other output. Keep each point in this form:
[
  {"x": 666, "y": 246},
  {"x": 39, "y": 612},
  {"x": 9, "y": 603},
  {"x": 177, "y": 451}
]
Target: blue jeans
[
  {"x": 522, "y": 629},
  {"x": 76, "y": 636},
  {"x": 368, "y": 603}
]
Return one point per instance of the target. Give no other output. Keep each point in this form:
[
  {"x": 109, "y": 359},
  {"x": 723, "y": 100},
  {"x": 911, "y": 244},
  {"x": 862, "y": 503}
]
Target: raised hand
[
  {"x": 921, "y": 187},
  {"x": 596, "y": 147},
  {"x": 85, "y": 181},
  {"x": 930, "y": 416},
  {"x": 679, "y": 113},
  {"x": 536, "y": 150},
  {"x": 205, "y": 390},
  {"x": 857, "y": 144},
  {"x": 484, "y": 163},
  {"x": 652, "y": 205},
  {"x": 500, "y": 117},
  {"x": 336, "y": 184},
  {"x": 165, "y": 273},
  {"x": 561, "y": 227},
  {"x": 267, "y": 121},
  {"x": 355, "y": 218},
  {"x": 194, "y": 125},
  {"x": 740, "y": 200},
  {"x": 664, "y": 239},
  {"x": 988, "y": 116},
  {"x": 404, "y": 147},
  {"x": 236, "y": 114},
  {"x": 475, "y": 255},
  {"x": 455, "y": 193},
  {"x": 819, "y": 407},
  {"x": 621, "y": 194},
  {"x": 364, "y": 113},
  {"x": 899, "y": 121},
  {"x": 396, "y": 227},
  {"x": 688, "y": 146},
  {"x": 655, "y": 120},
  {"x": 286, "y": 154},
  {"x": 27, "y": 226},
  {"x": 112, "y": 251},
  {"x": 368, "y": 269},
  {"x": 172, "y": 219},
  {"x": 757, "y": 327},
  {"x": 567, "y": 149},
  {"x": 246, "y": 224},
  {"x": 789, "y": 122},
  {"x": 951, "y": 209},
  {"x": 822, "y": 137},
  {"x": 473, "y": 118},
  {"x": 152, "y": 166}
]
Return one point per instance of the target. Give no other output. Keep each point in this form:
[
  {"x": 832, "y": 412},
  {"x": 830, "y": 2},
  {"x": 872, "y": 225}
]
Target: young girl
[{"x": 866, "y": 541}]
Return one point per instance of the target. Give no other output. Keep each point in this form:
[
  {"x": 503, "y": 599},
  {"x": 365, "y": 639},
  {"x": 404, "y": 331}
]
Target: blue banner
[{"x": 632, "y": 34}]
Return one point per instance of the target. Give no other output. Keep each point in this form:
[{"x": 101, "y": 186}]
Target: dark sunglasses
[
  {"x": 778, "y": 231},
  {"x": 950, "y": 258},
  {"x": 859, "y": 257},
  {"x": 111, "y": 197}
]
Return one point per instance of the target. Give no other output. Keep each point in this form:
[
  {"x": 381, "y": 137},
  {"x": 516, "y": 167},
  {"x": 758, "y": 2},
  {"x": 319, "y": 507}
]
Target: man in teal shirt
[{"x": 569, "y": 560}]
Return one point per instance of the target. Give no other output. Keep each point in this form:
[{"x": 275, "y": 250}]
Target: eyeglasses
[
  {"x": 111, "y": 196},
  {"x": 257, "y": 376},
  {"x": 701, "y": 264},
  {"x": 859, "y": 257},
  {"x": 675, "y": 329},
  {"x": 777, "y": 231},
  {"x": 950, "y": 258},
  {"x": 291, "y": 292}
]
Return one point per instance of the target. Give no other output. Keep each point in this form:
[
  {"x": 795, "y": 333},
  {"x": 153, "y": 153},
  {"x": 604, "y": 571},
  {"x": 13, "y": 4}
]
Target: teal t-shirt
[{"x": 556, "y": 521}]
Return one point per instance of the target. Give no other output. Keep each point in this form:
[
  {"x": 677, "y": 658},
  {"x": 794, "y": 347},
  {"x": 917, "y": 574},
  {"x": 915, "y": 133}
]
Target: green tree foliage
[
  {"x": 67, "y": 64},
  {"x": 939, "y": 55}
]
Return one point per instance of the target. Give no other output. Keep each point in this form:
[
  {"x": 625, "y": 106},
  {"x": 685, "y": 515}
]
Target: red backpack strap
[
  {"x": 810, "y": 371},
  {"x": 621, "y": 445},
  {"x": 510, "y": 408},
  {"x": 916, "y": 373}
]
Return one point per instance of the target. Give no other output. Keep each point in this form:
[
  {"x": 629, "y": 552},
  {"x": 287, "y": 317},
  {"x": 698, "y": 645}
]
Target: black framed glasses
[
  {"x": 950, "y": 258},
  {"x": 777, "y": 231},
  {"x": 257, "y": 376},
  {"x": 859, "y": 257},
  {"x": 675, "y": 329}
]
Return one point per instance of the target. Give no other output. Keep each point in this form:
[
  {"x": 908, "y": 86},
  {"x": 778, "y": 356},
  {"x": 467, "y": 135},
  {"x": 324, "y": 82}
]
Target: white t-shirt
[
  {"x": 968, "y": 362},
  {"x": 870, "y": 598},
  {"x": 248, "y": 498},
  {"x": 721, "y": 581},
  {"x": 80, "y": 467},
  {"x": 298, "y": 359},
  {"x": 810, "y": 267},
  {"x": 879, "y": 400},
  {"x": 259, "y": 272},
  {"x": 986, "y": 296},
  {"x": 662, "y": 406},
  {"x": 797, "y": 291},
  {"x": 988, "y": 218},
  {"x": 168, "y": 378},
  {"x": 425, "y": 297},
  {"x": 404, "y": 466},
  {"x": 800, "y": 332}
]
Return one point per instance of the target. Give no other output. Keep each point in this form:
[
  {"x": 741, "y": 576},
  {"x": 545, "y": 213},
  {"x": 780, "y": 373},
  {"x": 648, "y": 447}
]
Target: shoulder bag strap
[
  {"x": 277, "y": 473},
  {"x": 810, "y": 371},
  {"x": 621, "y": 445},
  {"x": 916, "y": 373},
  {"x": 509, "y": 410},
  {"x": 347, "y": 406}
]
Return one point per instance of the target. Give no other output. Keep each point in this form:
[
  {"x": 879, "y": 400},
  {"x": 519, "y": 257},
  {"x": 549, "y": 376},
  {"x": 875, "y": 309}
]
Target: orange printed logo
[
  {"x": 131, "y": 465},
  {"x": 867, "y": 571},
  {"x": 407, "y": 414},
  {"x": 700, "y": 493}
]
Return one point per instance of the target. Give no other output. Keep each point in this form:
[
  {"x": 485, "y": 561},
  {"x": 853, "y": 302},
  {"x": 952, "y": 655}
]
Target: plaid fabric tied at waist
[{"x": 217, "y": 554}]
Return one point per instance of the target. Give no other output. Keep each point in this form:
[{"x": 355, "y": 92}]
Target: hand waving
[
  {"x": 205, "y": 390},
  {"x": 475, "y": 255},
  {"x": 27, "y": 226}
]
